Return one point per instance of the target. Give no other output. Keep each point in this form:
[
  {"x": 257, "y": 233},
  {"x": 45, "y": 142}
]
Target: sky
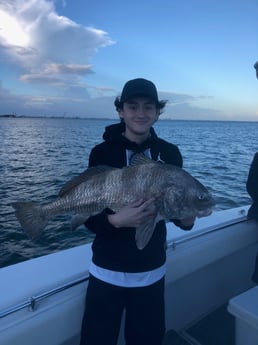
[{"x": 72, "y": 57}]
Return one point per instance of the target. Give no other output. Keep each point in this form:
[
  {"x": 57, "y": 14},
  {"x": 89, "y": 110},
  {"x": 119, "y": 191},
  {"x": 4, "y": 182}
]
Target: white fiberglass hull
[{"x": 42, "y": 300}]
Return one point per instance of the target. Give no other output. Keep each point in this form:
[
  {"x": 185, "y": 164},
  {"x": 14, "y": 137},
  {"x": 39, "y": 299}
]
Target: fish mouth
[
  {"x": 206, "y": 205},
  {"x": 205, "y": 212}
]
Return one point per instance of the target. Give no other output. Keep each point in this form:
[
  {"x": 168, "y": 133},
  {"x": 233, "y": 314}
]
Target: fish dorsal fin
[
  {"x": 84, "y": 176},
  {"x": 140, "y": 158}
]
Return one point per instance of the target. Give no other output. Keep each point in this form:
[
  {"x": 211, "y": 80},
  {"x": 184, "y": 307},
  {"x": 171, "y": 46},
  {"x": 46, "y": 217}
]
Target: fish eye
[{"x": 202, "y": 197}]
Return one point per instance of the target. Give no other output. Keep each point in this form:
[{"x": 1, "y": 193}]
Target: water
[{"x": 38, "y": 155}]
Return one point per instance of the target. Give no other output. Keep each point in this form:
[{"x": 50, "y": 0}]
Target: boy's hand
[{"x": 134, "y": 214}]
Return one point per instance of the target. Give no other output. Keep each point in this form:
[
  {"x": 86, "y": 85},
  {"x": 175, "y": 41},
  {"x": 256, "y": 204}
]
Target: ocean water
[{"x": 38, "y": 155}]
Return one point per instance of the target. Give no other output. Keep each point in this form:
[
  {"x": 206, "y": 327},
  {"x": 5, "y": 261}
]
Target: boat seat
[{"x": 244, "y": 308}]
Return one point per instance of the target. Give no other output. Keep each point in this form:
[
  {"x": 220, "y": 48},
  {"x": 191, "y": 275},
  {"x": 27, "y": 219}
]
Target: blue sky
[{"x": 72, "y": 57}]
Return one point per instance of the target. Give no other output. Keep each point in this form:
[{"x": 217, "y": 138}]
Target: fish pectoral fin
[
  {"x": 144, "y": 232},
  {"x": 78, "y": 220}
]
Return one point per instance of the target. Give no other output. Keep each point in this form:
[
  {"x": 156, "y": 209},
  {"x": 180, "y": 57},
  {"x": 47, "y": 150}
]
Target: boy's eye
[
  {"x": 149, "y": 107},
  {"x": 132, "y": 107}
]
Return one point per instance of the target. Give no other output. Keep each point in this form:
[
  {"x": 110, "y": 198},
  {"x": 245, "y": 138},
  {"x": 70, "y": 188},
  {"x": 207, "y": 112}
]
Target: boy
[{"x": 122, "y": 277}]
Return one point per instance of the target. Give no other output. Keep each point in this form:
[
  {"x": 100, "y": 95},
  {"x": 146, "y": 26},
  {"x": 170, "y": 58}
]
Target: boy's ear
[{"x": 121, "y": 113}]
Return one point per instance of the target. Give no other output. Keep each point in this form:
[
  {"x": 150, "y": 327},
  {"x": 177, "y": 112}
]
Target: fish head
[{"x": 186, "y": 200}]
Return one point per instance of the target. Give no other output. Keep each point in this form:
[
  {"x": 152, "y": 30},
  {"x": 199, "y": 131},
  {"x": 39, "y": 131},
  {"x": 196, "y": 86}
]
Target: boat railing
[
  {"x": 173, "y": 244},
  {"x": 32, "y": 301}
]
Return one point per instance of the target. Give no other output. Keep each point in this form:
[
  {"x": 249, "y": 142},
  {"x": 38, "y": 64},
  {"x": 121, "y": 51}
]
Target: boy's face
[{"x": 139, "y": 114}]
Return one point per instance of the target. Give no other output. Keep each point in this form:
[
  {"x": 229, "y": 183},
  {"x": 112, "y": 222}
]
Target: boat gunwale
[
  {"x": 172, "y": 244},
  {"x": 32, "y": 301}
]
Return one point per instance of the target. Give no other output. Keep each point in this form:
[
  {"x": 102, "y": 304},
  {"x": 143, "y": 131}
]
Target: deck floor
[{"x": 217, "y": 328}]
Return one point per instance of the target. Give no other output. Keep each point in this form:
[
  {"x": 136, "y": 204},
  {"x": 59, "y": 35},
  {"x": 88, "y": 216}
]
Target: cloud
[
  {"x": 77, "y": 101},
  {"x": 184, "y": 106},
  {"x": 56, "y": 74},
  {"x": 9, "y": 102},
  {"x": 74, "y": 101},
  {"x": 42, "y": 43},
  {"x": 49, "y": 58}
]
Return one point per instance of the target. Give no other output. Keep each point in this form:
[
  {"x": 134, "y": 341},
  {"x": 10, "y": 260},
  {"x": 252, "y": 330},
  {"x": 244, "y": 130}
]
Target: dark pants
[{"x": 144, "y": 314}]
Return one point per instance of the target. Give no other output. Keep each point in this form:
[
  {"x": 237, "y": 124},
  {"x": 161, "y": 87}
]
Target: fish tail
[{"x": 31, "y": 217}]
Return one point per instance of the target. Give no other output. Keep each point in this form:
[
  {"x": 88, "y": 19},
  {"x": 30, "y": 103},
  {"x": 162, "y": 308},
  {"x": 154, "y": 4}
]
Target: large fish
[{"x": 176, "y": 194}]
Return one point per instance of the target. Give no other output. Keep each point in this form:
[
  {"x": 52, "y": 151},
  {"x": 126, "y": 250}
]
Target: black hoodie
[{"x": 113, "y": 248}]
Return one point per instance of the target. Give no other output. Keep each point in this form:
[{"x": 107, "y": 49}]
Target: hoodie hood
[{"x": 115, "y": 132}]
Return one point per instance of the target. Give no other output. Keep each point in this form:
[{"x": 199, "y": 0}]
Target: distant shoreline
[
  {"x": 109, "y": 118},
  {"x": 52, "y": 117},
  {"x": 8, "y": 115}
]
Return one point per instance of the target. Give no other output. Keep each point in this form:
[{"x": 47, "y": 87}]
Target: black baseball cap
[{"x": 139, "y": 87}]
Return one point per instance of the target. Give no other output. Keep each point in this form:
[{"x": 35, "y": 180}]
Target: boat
[{"x": 210, "y": 296}]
